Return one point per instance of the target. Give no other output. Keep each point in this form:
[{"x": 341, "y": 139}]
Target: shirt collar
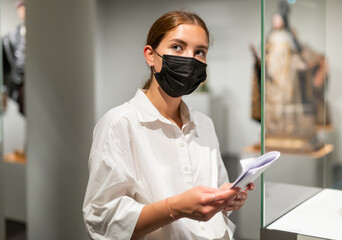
[{"x": 147, "y": 112}]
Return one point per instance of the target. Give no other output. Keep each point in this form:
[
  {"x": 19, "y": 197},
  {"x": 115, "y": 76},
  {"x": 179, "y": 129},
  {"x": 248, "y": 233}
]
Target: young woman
[{"x": 155, "y": 165}]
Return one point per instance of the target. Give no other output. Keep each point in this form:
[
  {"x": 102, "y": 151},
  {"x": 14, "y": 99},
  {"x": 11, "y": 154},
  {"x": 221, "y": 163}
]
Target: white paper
[{"x": 253, "y": 167}]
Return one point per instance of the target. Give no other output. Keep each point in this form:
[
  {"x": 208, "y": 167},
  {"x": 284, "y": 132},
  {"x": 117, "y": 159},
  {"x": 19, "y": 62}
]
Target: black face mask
[{"x": 180, "y": 75}]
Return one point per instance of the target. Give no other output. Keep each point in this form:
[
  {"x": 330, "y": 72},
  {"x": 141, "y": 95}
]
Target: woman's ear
[{"x": 148, "y": 53}]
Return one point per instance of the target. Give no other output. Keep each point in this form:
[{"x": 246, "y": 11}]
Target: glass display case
[{"x": 302, "y": 192}]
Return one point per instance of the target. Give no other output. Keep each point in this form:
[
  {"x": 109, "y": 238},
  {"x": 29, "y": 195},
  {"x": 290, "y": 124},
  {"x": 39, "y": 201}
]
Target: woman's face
[{"x": 187, "y": 40}]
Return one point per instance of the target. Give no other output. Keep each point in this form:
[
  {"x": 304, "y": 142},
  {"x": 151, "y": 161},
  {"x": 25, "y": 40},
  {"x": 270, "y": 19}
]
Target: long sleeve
[{"x": 109, "y": 210}]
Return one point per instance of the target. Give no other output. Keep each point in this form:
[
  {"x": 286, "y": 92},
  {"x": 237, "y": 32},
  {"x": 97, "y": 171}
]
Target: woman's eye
[
  {"x": 200, "y": 53},
  {"x": 177, "y": 48}
]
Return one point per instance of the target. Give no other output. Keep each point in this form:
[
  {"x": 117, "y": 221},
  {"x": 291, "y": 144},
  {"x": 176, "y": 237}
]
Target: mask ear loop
[
  {"x": 157, "y": 53},
  {"x": 154, "y": 70}
]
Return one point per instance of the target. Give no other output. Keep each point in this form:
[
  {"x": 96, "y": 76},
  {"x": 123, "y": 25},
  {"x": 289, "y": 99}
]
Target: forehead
[{"x": 190, "y": 33}]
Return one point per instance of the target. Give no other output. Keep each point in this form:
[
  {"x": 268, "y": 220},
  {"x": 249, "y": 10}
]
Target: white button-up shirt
[{"x": 139, "y": 157}]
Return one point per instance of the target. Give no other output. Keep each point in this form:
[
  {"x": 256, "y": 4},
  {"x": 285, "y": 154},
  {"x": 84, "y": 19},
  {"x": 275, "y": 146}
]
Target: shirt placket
[{"x": 184, "y": 157}]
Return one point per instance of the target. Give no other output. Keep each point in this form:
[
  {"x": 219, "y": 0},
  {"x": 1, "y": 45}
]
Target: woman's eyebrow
[
  {"x": 180, "y": 41},
  {"x": 203, "y": 47}
]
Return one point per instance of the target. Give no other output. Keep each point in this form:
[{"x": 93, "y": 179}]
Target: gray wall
[{"x": 60, "y": 100}]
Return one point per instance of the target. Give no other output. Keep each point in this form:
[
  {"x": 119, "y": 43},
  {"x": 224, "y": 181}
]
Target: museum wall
[{"x": 60, "y": 100}]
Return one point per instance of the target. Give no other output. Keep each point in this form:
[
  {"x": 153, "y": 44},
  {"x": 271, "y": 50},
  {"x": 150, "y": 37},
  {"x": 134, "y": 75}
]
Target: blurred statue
[
  {"x": 294, "y": 88},
  {"x": 13, "y": 46},
  {"x": 14, "y": 60}
]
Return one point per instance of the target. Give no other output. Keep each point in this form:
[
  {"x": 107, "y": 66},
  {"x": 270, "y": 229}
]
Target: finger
[
  {"x": 250, "y": 186},
  {"x": 219, "y": 203},
  {"x": 229, "y": 209},
  {"x": 226, "y": 194},
  {"x": 210, "y": 199},
  {"x": 235, "y": 205},
  {"x": 226, "y": 186},
  {"x": 239, "y": 203},
  {"x": 219, "y": 207},
  {"x": 207, "y": 189},
  {"x": 241, "y": 196},
  {"x": 236, "y": 189}
]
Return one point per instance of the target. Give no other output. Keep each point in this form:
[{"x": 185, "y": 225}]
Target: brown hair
[{"x": 166, "y": 23}]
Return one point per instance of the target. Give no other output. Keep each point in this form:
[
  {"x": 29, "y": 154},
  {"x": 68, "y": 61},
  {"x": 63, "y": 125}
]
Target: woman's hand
[
  {"x": 201, "y": 203},
  {"x": 239, "y": 200}
]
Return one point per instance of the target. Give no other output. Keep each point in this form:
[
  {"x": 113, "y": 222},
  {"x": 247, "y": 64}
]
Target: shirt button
[
  {"x": 202, "y": 228},
  {"x": 186, "y": 168},
  {"x": 182, "y": 144}
]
